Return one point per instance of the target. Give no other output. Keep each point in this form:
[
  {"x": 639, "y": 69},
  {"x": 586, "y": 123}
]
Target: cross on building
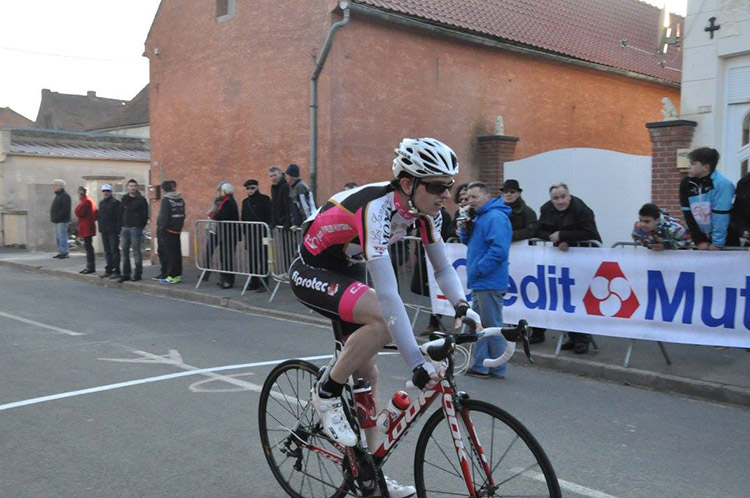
[{"x": 712, "y": 27}]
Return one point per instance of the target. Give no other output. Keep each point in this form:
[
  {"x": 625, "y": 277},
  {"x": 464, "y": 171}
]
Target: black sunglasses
[{"x": 437, "y": 188}]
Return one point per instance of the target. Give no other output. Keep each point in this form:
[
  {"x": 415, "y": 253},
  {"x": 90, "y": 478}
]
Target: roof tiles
[{"x": 589, "y": 30}]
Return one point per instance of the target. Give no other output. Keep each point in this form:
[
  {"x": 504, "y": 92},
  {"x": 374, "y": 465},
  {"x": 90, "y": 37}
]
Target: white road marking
[
  {"x": 39, "y": 324},
  {"x": 109, "y": 387},
  {"x": 170, "y": 359},
  {"x": 567, "y": 485}
]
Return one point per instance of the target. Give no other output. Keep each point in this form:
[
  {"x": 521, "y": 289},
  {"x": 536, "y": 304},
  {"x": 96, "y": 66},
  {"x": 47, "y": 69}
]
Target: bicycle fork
[{"x": 455, "y": 424}]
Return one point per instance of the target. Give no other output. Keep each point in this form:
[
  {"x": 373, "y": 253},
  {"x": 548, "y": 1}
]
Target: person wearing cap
[
  {"x": 109, "y": 217},
  {"x": 256, "y": 207},
  {"x": 59, "y": 214},
  {"x": 279, "y": 199},
  {"x": 302, "y": 203},
  {"x": 169, "y": 226},
  {"x": 524, "y": 222},
  {"x": 86, "y": 213}
]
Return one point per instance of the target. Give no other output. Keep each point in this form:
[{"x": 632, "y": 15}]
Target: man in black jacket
[
  {"x": 280, "y": 202},
  {"x": 256, "y": 207},
  {"x": 109, "y": 218},
  {"x": 134, "y": 219},
  {"x": 524, "y": 223},
  {"x": 169, "y": 226},
  {"x": 60, "y": 216},
  {"x": 565, "y": 220}
]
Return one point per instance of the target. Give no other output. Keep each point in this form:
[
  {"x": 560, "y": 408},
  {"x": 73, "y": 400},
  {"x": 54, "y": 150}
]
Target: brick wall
[
  {"x": 230, "y": 99},
  {"x": 494, "y": 151},
  {"x": 666, "y": 138}
]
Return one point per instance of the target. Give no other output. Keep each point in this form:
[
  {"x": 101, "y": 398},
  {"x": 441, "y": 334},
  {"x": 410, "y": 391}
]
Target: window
[
  {"x": 225, "y": 9},
  {"x": 746, "y": 130}
]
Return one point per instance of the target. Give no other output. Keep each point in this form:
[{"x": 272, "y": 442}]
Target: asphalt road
[{"x": 100, "y": 398}]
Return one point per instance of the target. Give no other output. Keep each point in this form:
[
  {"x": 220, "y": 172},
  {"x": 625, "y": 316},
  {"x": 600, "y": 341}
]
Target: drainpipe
[{"x": 344, "y": 6}]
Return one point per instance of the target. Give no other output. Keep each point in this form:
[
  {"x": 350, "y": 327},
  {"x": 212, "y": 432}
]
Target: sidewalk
[{"x": 717, "y": 374}]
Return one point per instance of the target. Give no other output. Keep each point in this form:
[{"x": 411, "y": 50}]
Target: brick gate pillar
[
  {"x": 666, "y": 138},
  {"x": 494, "y": 151}
]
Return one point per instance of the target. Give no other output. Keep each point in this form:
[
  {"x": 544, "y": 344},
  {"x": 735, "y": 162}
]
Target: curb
[{"x": 710, "y": 391}]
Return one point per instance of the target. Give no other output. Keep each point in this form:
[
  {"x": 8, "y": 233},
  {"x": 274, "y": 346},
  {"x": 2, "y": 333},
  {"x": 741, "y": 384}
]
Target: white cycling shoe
[
  {"x": 397, "y": 491},
  {"x": 333, "y": 419}
]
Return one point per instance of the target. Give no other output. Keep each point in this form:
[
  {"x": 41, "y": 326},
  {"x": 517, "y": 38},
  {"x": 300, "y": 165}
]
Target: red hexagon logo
[{"x": 610, "y": 293}]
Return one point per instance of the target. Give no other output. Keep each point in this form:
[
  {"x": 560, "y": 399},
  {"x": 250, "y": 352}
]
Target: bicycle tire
[
  {"x": 521, "y": 469},
  {"x": 284, "y": 419}
]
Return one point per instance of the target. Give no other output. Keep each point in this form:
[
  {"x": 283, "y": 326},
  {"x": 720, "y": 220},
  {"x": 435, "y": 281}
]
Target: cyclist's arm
[
  {"x": 394, "y": 313},
  {"x": 445, "y": 275}
]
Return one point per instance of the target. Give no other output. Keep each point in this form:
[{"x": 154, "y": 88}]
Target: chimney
[{"x": 91, "y": 94}]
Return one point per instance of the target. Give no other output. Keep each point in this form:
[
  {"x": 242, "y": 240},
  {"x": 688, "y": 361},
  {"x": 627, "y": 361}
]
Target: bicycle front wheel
[
  {"x": 514, "y": 463},
  {"x": 301, "y": 457}
]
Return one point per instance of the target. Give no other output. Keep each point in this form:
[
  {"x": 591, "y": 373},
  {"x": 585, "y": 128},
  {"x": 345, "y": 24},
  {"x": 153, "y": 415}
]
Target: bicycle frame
[{"x": 405, "y": 422}]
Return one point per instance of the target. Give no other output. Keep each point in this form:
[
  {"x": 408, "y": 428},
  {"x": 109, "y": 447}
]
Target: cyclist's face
[{"x": 428, "y": 202}]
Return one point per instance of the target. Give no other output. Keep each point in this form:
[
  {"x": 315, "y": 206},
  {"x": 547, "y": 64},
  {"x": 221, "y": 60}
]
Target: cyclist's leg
[{"x": 363, "y": 345}]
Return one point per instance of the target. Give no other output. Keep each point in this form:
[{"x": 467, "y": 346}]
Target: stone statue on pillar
[
  {"x": 668, "y": 110},
  {"x": 499, "y": 126}
]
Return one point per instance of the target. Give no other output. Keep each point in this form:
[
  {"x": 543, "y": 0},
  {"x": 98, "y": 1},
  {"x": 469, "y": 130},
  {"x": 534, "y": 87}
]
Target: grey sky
[{"x": 72, "y": 46}]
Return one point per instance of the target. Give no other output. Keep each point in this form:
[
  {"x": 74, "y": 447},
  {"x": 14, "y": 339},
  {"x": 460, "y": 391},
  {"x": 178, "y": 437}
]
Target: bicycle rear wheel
[
  {"x": 299, "y": 454},
  {"x": 518, "y": 464}
]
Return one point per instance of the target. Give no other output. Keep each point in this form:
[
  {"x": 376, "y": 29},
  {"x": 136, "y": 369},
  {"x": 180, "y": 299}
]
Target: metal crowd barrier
[
  {"x": 232, "y": 247},
  {"x": 284, "y": 249}
]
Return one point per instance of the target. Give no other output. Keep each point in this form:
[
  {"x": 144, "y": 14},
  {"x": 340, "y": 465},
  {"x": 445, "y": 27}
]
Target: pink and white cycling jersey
[{"x": 358, "y": 225}]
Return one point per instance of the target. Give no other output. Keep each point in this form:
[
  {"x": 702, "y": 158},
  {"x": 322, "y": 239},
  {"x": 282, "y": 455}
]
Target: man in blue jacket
[{"x": 488, "y": 235}]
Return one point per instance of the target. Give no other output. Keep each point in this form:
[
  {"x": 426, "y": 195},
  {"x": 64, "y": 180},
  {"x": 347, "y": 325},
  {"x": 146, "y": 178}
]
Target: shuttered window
[{"x": 739, "y": 85}]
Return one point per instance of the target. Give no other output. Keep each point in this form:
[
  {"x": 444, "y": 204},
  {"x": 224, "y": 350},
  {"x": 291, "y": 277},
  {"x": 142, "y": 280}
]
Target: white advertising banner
[{"x": 692, "y": 297}]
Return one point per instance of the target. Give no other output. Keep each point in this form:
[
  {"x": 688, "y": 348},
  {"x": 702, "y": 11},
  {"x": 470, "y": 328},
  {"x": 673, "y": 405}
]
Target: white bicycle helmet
[{"x": 422, "y": 157}]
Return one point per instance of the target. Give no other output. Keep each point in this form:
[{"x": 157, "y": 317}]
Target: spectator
[
  {"x": 60, "y": 217},
  {"x": 109, "y": 216},
  {"x": 86, "y": 213},
  {"x": 487, "y": 235},
  {"x": 524, "y": 222},
  {"x": 706, "y": 198},
  {"x": 169, "y": 228},
  {"x": 256, "y": 207},
  {"x": 302, "y": 202},
  {"x": 280, "y": 203},
  {"x": 134, "y": 219},
  {"x": 226, "y": 233},
  {"x": 657, "y": 230},
  {"x": 350, "y": 185},
  {"x": 740, "y": 215},
  {"x": 211, "y": 237},
  {"x": 461, "y": 199},
  {"x": 565, "y": 220}
]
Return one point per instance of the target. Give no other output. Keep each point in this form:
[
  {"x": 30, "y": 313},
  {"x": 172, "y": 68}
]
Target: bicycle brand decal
[{"x": 405, "y": 420}]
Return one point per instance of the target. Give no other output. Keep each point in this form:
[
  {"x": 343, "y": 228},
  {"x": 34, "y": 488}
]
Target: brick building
[{"x": 230, "y": 84}]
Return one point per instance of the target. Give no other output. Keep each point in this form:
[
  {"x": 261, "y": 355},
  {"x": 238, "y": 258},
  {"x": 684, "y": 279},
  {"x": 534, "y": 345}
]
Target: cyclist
[{"x": 350, "y": 235}]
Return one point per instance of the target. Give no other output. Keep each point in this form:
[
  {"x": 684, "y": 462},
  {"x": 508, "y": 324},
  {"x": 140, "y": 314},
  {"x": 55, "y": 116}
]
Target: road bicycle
[{"x": 467, "y": 448}]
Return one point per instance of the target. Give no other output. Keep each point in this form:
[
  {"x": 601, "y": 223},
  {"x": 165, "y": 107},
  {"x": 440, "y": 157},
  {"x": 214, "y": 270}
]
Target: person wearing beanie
[
  {"x": 169, "y": 226},
  {"x": 60, "y": 217},
  {"x": 256, "y": 207},
  {"x": 86, "y": 213},
  {"x": 302, "y": 203},
  {"x": 109, "y": 217},
  {"x": 279, "y": 199}
]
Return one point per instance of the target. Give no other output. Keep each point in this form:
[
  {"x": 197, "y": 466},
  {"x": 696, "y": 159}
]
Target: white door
[{"x": 736, "y": 153}]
